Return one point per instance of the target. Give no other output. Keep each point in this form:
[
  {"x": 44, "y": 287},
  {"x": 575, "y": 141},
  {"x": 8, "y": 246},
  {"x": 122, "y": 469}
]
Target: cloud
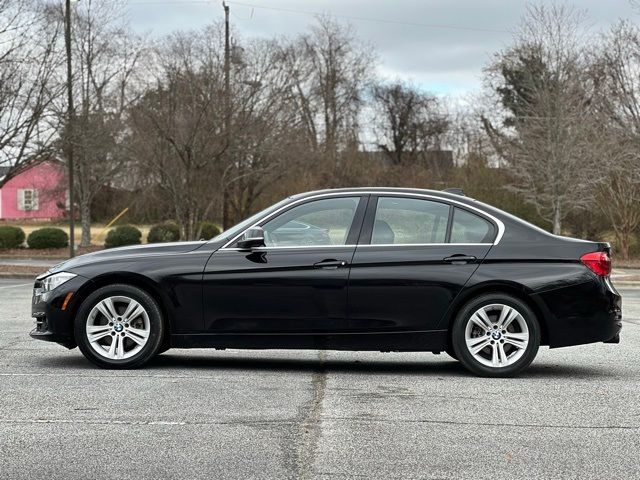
[{"x": 443, "y": 60}]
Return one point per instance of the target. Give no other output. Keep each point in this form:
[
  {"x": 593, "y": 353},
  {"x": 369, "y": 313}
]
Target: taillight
[{"x": 598, "y": 262}]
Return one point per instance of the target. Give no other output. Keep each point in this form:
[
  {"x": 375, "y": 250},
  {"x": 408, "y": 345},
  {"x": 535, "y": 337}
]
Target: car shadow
[
  {"x": 450, "y": 368},
  {"x": 312, "y": 365}
]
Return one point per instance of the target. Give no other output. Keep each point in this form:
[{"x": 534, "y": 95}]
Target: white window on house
[{"x": 27, "y": 199}]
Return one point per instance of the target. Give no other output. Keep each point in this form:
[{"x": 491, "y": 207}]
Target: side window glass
[
  {"x": 470, "y": 228},
  {"x": 401, "y": 220},
  {"x": 317, "y": 223}
]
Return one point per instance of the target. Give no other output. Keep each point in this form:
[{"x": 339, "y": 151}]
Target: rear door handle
[
  {"x": 330, "y": 264},
  {"x": 459, "y": 259}
]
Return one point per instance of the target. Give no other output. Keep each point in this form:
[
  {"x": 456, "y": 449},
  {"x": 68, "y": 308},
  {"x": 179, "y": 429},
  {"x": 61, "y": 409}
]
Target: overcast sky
[{"x": 442, "y": 60}]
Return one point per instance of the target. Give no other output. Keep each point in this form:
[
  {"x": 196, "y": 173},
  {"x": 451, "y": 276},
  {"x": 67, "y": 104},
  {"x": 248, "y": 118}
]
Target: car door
[
  {"x": 296, "y": 282},
  {"x": 414, "y": 256}
]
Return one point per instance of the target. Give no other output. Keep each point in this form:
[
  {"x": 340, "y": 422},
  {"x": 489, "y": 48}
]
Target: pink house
[{"x": 37, "y": 192}]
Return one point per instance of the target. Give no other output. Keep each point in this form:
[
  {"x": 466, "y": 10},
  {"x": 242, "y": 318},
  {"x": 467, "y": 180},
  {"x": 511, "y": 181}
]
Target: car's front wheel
[
  {"x": 119, "y": 326},
  {"x": 496, "y": 335}
]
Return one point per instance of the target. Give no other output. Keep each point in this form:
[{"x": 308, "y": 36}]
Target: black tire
[
  {"x": 464, "y": 354},
  {"x": 156, "y": 327},
  {"x": 451, "y": 352}
]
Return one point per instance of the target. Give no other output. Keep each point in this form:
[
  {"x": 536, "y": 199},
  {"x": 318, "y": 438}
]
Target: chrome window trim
[
  {"x": 450, "y": 201},
  {"x": 385, "y": 245},
  {"x": 298, "y": 247},
  {"x": 424, "y": 244}
]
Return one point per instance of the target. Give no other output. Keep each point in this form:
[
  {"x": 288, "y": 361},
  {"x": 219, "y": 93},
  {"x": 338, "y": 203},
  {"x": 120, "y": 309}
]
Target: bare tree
[
  {"x": 618, "y": 194},
  {"x": 331, "y": 72},
  {"x": 548, "y": 136},
  {"x": 617, "y": 75},
  {"x": 466, "y": 136},
  {"x": 177, "y": 132},
  {"x": 106, "y": 55},
  {"x": 180, "y": 125},
  {"x": 28, "y": 61},
  {"x": 267, "y": 133},
  {"x": 406, "y": 122}
]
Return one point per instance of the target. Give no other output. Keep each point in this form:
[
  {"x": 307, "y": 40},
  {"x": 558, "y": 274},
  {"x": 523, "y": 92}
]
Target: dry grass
[
  {"x": 46, "y": 253},
  {"x": 20, "y": 271},
  {"x": 631, "y": 263}
]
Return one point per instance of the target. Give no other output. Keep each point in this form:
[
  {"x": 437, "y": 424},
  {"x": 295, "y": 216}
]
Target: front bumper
[
  {"x": 615, "y": 339},
  {"x": 54, "y": 319},
  {"x": 40, "y": 333}
]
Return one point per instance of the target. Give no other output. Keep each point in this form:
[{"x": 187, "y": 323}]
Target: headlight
[{"x": 55, "y": 280}]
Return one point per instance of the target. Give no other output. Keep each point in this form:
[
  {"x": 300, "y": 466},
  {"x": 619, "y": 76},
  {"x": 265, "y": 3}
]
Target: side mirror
[{"x": 252, "y": 238}]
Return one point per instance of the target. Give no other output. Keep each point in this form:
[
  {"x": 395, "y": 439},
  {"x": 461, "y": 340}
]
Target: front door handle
[
  {"x": 459, "y": 259},
  {"x": 330, "y": 264}
]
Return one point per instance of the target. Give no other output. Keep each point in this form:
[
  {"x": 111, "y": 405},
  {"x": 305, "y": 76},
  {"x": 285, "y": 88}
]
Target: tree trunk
[
  {"x": 622, "y": 241},
  {"x": 557, "y": 221},
  {"x": 85, "y": 220},
  {"x": 191, "y": 226},
  {"x": 225, "y": 208},
  {"x": 188, "y": 227},
  {"x": 184, "y": 230}
]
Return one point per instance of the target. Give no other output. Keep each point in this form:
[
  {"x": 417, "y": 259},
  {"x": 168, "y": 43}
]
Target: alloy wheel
[
  {"x": 118, "y": 327},
  {"x": 497, "y": 335}
]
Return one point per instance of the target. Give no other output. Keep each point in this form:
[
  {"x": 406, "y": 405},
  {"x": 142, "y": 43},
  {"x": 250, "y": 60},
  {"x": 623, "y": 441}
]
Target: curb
[
  {"x": 623, "y": 283},
  {"x": 18, "y": 275}
]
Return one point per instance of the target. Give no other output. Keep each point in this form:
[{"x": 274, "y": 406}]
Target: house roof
[{"x": 5, "y": 170}]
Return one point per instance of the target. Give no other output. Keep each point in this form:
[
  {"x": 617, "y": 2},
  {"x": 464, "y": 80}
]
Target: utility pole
[
  {"x": 70, "y": 126},
  {"x": 227, "y": 113}
]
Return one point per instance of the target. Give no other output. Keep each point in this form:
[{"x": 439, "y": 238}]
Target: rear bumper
[{"x": 585, "y": 313}]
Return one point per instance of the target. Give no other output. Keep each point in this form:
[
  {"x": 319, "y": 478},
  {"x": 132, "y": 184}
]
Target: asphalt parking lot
[{"x": 307, "y": 414}]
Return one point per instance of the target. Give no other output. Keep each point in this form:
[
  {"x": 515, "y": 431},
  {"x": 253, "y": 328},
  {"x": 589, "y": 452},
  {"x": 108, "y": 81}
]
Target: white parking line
[{"x": 105, "y": 376}]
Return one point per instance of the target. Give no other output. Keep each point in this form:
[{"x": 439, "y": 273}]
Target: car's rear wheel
[
  {"x": 119, "y": 326},
  {"x": 496, "y": 335}
]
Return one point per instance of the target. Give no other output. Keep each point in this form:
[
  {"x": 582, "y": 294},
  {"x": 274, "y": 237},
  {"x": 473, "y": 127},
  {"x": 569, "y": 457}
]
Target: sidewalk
[
  {"x": 626, "y": 276},
  {"x": 24, "y": 267}
]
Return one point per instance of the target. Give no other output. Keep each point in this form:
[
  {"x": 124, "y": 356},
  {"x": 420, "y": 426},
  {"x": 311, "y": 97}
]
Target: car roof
[
  {"x": 378, "y": 190},
  {"x": 459, "y": 199},
  {"x": 503, "y": 217}
]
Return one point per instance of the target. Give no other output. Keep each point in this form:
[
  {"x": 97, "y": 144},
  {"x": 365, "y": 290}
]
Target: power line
[
  {"x": 316, "y": 13},
  {"x": 371, "y": 19},
  {"x": 171, "y": 2}
]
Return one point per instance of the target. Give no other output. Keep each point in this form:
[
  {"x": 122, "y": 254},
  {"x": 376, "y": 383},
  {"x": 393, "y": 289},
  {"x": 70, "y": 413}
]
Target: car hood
[{"x": 130, "y": 252}]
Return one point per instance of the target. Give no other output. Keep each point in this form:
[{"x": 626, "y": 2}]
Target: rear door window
[
  {"x": 470, "y": 228},
  {"x": 400, "y": 220}
]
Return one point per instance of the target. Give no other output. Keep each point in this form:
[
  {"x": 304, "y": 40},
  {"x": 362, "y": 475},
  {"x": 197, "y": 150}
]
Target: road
[{"x": 307, "y": 414}]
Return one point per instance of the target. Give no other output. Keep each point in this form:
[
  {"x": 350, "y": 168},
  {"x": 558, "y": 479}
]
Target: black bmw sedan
[{"x": 352, "y": 269}]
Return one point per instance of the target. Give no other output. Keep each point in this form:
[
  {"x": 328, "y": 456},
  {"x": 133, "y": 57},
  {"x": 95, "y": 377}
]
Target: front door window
[{"x": 325, "y": 222}]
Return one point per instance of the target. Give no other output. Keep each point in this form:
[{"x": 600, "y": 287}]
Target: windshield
[{"x": 236, "y": 229}]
